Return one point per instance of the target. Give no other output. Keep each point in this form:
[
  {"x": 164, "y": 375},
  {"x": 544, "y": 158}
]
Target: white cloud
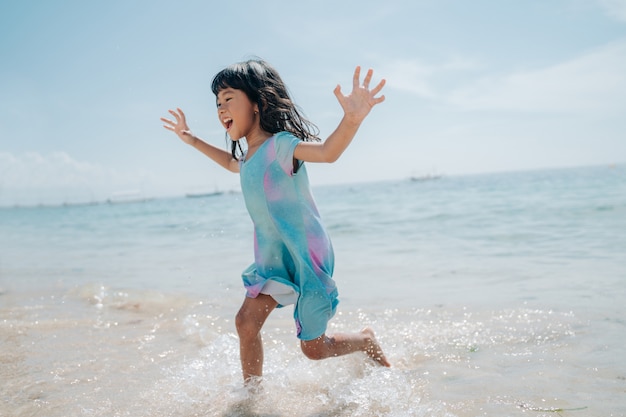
[
  {"x": 410, "y": 75},
  {"x": 35, "y": 178},
  {"x": 58, "y": 169},
  {"x": 615, "y": 8},
  {"x": 592, "y": 83},
  {"x": 420, "y": 78}
]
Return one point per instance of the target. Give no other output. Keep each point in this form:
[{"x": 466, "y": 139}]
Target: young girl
[{"x": 293, "y": 255}]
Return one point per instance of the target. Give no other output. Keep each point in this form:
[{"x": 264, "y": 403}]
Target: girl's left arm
[{"x": 356, "y": 106}]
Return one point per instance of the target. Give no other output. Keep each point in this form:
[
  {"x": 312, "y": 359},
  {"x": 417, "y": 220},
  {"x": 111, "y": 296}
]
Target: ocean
[{"x": 492, "y": 295}]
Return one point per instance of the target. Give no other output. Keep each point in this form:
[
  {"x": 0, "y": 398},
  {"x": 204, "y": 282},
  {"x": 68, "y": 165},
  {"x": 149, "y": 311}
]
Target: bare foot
[{"x": 373, "y": 350}]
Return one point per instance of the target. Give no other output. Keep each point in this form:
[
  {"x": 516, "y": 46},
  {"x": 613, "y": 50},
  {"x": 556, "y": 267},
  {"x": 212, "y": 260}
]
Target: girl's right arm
[{"x": 179, "y": 126}]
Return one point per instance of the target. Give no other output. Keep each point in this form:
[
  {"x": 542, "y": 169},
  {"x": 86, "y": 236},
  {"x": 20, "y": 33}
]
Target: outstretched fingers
[
  {"x": 179, "y": 115},
  {"x": 366, "y": 84},
  {"x": 373, "y": 92},
  {"x": 378, "y": 87},
  {"x": 169, "y": 124},
  {"x": 368, "y": 78},
  {"x": 360, "y": 101},
  {"x": 178, "y": 122},
  {"x": 376, "y": 90},
  {"x": 356, "y": 78},
  {"x": 178, "y": 125},
  {"x": 339, "y": 95}
]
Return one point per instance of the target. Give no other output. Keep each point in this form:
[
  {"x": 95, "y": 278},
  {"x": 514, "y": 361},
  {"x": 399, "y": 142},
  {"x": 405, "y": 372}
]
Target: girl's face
[{"x": 237, "y": 113}]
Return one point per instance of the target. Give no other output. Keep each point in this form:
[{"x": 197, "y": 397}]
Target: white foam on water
[
  {"x": 444, "y": 360},
  {"x": 98, "y": 351}
]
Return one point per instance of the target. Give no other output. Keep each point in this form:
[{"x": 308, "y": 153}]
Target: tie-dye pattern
[{"x": 291, "y": 245}]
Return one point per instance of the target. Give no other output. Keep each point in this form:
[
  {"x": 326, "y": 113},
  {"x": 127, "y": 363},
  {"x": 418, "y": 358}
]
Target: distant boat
[
  {"x": 127, "y": 197},
  {"x": 80, "y": 203},
  {"x": 426, "y": 177},
  {"x": 204, "y": 194}
]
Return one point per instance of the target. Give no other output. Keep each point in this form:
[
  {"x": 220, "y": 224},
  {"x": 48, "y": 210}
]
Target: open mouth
[{"x": 228, "y": 123}]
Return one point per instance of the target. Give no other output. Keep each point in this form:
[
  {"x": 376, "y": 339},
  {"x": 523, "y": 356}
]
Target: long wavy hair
[{"x": 263, "y": 86}]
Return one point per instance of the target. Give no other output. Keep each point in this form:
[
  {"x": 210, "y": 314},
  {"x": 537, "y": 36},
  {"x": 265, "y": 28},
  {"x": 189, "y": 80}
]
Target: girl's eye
[{"x": 219, "y": 104}]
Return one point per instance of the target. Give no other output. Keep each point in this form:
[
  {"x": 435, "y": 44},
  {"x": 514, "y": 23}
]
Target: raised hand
[
  {"x": 179, "y": 126},
  {"x": 360, "y": 101}
]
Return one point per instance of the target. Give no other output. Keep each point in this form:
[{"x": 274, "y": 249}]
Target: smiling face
[{"x": 237, "y": 113}]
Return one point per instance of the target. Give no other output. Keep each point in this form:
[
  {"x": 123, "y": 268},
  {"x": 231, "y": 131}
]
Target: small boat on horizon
[
  {"x": 204, "y": 194},
  {"x": 426, "y": 177},
  {"x": 123, "y": 197}
]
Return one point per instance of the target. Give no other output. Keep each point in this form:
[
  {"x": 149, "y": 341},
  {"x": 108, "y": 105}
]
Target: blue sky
[{"x": 472, "y": 87}]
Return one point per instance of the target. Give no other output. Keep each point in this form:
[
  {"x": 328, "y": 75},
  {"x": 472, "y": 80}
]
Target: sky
[{"x": 472, "y": 87}]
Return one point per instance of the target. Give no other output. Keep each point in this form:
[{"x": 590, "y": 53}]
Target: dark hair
[{"x": 263, "y": 86}]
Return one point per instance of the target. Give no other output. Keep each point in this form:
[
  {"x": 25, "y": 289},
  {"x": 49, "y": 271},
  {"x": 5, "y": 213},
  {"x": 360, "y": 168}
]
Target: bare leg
[
  {"x": 249, "y": 322},
  {"x": 343, "y": 344}
]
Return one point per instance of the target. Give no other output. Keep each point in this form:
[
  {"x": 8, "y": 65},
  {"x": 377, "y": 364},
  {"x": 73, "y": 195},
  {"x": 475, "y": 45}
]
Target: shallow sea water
[{"x": 495, "y": 295}]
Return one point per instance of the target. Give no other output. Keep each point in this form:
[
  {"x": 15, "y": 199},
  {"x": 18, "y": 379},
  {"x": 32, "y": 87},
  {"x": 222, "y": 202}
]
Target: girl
[{"x": 293, "y": 255}]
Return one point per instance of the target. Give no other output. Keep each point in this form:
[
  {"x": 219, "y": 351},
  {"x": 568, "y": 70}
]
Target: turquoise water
[{"x": 496, "y": 295}]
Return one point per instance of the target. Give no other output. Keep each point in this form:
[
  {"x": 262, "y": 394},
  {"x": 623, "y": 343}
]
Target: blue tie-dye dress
[{"x": 293, "y": 255}]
